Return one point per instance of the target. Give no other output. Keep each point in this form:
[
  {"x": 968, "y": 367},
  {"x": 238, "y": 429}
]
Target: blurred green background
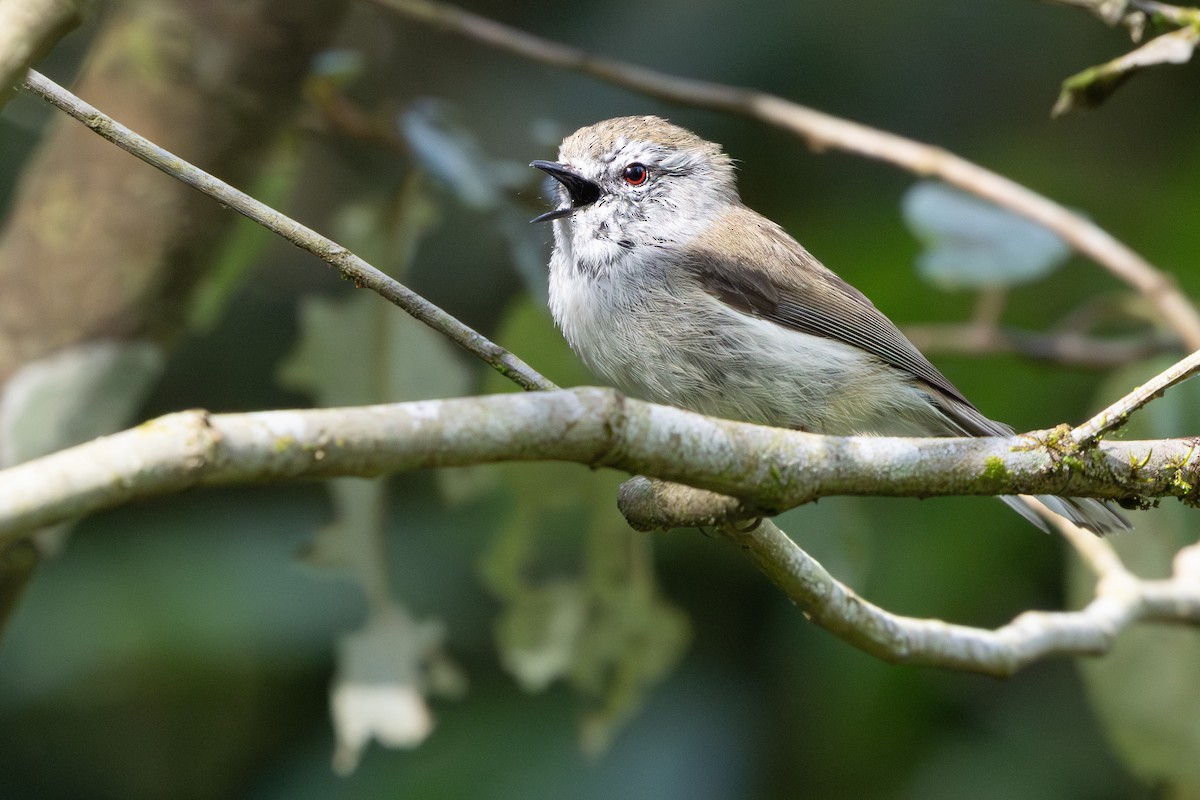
[{"x": 184, "y": 647}]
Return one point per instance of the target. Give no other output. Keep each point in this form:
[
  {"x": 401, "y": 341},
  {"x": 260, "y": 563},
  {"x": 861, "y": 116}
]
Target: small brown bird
[{"x": 668, "y": 286}]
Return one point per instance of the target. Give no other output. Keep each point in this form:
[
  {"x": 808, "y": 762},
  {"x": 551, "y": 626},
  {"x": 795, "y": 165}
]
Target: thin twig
[
  {"x": 351, "y": 266},
  {"x": 822, "y": 132},
  {"x": 1116, "y": 414},
  {"x": 1069, "y": 348}
]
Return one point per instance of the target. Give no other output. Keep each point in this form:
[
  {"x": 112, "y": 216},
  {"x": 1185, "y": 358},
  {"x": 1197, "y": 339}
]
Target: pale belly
[{"x": 720, "y": 362}]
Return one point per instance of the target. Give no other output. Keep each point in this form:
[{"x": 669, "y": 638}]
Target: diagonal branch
[
  {"x": 351, "y": 266},
  {"x": 1116, "y": 414},
  {"x": 825, "y": 132}
]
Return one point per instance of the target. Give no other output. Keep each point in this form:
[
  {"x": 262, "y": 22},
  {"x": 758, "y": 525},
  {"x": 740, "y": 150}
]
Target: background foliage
[{"x": 184, "y": 647}]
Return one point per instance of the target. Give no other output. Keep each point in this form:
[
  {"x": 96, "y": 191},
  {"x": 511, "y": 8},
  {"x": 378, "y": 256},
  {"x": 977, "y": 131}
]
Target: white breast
[{"x": 629, "y": 324}]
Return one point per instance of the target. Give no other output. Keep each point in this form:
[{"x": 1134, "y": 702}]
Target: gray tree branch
[
  {"x": 770, "y": 469},
  {"x": 753, "y": 470}
]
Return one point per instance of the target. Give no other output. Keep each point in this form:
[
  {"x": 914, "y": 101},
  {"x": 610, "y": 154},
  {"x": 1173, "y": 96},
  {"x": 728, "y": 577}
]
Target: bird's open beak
[{"x": 582, "y": 191}]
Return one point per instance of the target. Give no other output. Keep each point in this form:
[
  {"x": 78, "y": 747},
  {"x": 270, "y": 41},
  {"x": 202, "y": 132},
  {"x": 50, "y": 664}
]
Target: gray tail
[{"x": 1098, "y": 516}]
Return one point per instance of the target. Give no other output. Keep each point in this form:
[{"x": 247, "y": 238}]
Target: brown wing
[{"x": 801, "y": 293}]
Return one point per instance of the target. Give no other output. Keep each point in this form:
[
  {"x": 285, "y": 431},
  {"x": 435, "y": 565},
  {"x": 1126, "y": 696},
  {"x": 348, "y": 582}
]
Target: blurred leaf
[
  {"x": 338, "y": 65},
  {"x": 350, "y": 543},
  {"x": 971, "y": 243},
  {"x": 1146, "y": 692},
  {"x": 595, "y": 619},
  {"x": 701, "y": 743},
  {"x": 74, "y": 395},
  {"x": 634, "y": 639},
  {"x": 1094, "y": 85},
  {"x": 359, "y": 349},
  {"x": 395, "y": 358},
  {"x": 242, "y": 248},
  {"x": 388, "y": 231},
  {"x": 392, "y": 358},
  {"x": 450, "y": 151},
  {"x": 382, "y": 677},
  {"x": 379, "y": 689},
  {"x": 539, "y": 631},
  {"x": 581, "y": 601}
]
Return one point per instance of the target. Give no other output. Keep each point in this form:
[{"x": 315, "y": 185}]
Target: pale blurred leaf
[
  {"x": 597, "y": 619},
  {"x": 971, "y": 243},
  {"x": 450, "y": 151},
  {"x": 634, "y": 642},
  {"x": 359, "y": 349},
  {"x": 1094, "y": 85},
  {"x": 581, "y": 601},
  {"x": 379, "y": 690},
  {"x": 339, "y": 65},
  {"x": 239, "y": 251},
  {"x": 353, "y": 351},
  {"x": 538, "y": 632},
  {"x": 350, "y": 543},
  {"x": 71, "y": 396}
]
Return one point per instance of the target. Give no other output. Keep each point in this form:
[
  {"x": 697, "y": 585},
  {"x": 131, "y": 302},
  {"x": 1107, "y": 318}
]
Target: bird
[{"x": 671, "y": 289}]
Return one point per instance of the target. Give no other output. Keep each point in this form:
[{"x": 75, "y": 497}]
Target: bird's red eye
[{"x": 636, "y": 174}]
